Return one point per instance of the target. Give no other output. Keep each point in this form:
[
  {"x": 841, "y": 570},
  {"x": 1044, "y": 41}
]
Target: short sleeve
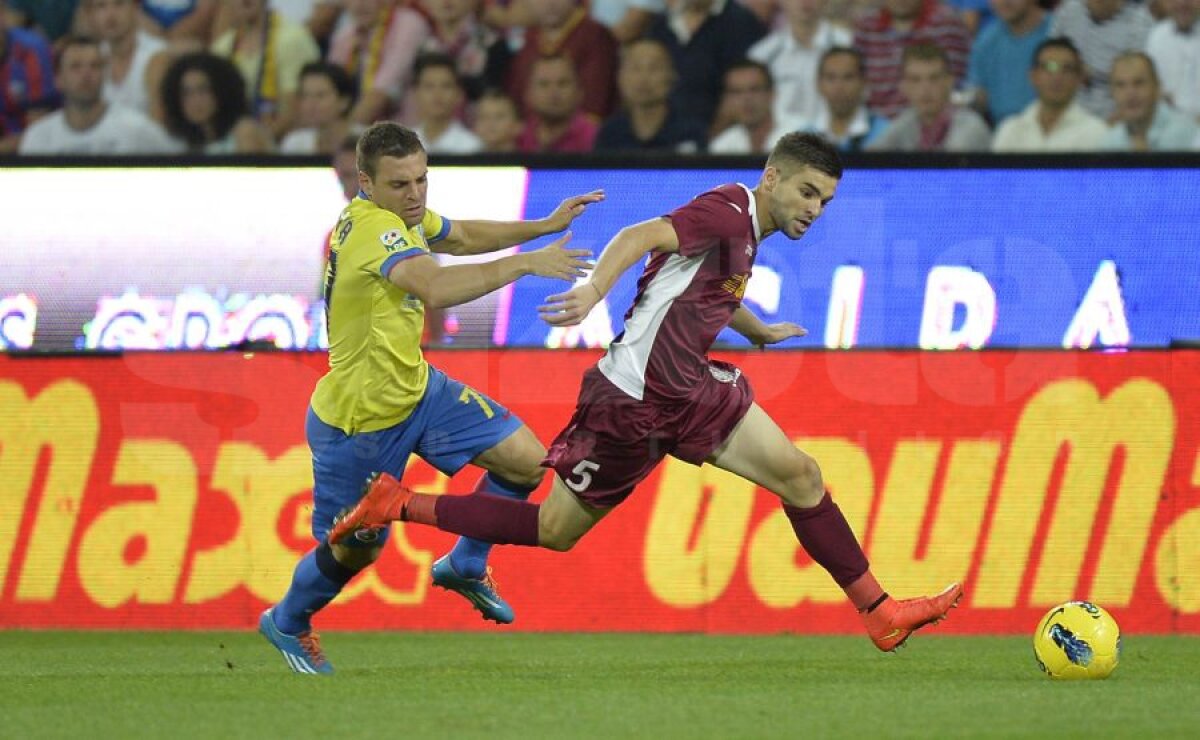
[
  {"x": 389, "y": 247},
  {"x": 707, "y": 221},
  {"x": 435, "y": 227}
]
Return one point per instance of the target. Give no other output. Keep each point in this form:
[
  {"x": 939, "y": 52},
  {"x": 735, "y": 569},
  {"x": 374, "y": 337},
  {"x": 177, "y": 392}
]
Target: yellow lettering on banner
[
  {"x": 1178, "y": 554},
  {"x": 684, "y": 576},
  {"x": 162, "y": 525},
  {"x": 771, "y": 559},
  {"x": 904, "y": 506},
  {"x": 255, "y": 557},
  {"x": 64, "y": 418},
  {"x": 421, "y": 560},
  {"x": 1139, "y": 417}
]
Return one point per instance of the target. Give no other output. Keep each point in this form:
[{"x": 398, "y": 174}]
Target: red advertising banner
[{"x": 173, "y": 491}]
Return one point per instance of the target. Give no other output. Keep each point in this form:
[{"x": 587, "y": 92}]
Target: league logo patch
[{"x": 393, "y": 240}]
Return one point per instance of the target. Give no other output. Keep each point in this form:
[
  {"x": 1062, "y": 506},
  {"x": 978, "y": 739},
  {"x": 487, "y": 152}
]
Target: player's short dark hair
[
  {"x": 342, "y": 82},
  {"x": 924, "y": 52},
  {"x": 803, "y": 149},
  {"x": 435, "y": 60},
  {"x": 851, "y": 52},
  {"x": 1058, "y": 42},
  {"x": 71, "y": 41},
  {"x": 385, "y": 139},
  {"x": 228, "y": 88},
  {"x": 761, "y": 68}
]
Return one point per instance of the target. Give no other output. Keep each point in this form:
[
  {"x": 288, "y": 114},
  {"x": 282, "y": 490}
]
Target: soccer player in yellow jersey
[{"x": 381, "y": 401}]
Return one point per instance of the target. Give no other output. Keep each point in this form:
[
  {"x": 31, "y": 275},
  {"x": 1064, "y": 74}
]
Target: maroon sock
[
  {"x": 827, "y": 537},
  {"x": 482, "y": 516}
]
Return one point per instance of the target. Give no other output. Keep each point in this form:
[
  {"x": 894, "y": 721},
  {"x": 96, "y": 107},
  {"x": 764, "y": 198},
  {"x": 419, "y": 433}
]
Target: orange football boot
[
  {"x": 893, "y": 621},
  {"x": 382, "y": 503}
]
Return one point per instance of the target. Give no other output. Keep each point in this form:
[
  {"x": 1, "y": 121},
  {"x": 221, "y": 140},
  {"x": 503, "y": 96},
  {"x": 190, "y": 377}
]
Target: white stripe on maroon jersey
[{"x": 625, "y": 363}]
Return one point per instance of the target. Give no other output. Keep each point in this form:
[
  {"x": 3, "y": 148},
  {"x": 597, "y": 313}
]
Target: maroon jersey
[{"x": 684, "y": 300}]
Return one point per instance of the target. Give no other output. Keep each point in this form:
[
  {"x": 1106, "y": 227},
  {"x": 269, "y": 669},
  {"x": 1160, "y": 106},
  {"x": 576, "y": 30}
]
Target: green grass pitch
[{"x": 496, "y": 685}]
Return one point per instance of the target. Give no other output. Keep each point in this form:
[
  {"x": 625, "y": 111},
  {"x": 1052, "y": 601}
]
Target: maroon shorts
[{"x": 614, "y": 440}]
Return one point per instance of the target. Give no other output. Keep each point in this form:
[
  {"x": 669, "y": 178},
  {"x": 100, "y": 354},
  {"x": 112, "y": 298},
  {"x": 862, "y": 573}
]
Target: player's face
[
  {"x": 796, "y": 200},
  {"x": 438, "y": 95},
  {"x": 81, "y": 74},
  {"x": 1134, "y": 91},
  {"x": 497, "y": 125},
  {"x": 400, "y": 186},
  {"x": 748, "y": 95},
  {"x": 112, "y": 19},
  {"x": 319, "y": 101},
  {"x": 198, "y": 103},
  {"x": 926, "y": 84},
  {"x": 842, "y": 85},
  {"x": 1057, "y": 76}
]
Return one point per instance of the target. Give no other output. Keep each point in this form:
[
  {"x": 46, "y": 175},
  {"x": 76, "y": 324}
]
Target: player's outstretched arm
[
  {"x": 481, "y": 237},
  {"x": 628, "y": 247},
  {"x": 441, "y": 287},
  {"x": 751, "y": 327}
]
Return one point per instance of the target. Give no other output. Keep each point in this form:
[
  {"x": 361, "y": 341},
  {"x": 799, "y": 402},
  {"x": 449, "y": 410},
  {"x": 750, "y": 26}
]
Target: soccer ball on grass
[{"x": 1077, "y": 640}]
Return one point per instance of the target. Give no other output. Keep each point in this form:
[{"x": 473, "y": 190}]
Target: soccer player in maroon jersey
[{"x": 656, "y": 392}]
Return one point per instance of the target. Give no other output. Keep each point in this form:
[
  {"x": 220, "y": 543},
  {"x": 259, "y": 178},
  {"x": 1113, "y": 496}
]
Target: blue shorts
[{"x": 451, "y": 425}]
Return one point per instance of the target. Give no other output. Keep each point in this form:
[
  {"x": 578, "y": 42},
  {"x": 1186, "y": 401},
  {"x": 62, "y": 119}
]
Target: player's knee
[
  {"x": 529, "y": 477},
  {"x": 554, "y": 538},
  {"x": 804, "y": 487}
]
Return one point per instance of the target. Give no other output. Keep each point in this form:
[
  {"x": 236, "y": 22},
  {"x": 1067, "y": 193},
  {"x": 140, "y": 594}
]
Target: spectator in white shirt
[
  {"x": 439, "y": 97},
  {"x": 1055, "y": 122},
  {"x": 88, "y": 124},
  {"x": 1174, "y": 45},
  {"x": 324, "y": 99},
  {"x": 1145, "y": 123},
  {"x": 136, "y": 59},
  {"x": 749, "y": 97},
  {"x": 793, "y": 53}
]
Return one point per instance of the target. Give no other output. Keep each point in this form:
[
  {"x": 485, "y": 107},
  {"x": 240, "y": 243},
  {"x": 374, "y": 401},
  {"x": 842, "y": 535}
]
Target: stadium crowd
[{"x": 96, "y": 77}]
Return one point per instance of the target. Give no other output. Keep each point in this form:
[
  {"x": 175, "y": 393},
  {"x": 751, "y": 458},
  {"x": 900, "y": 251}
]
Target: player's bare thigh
[
  {"x": 517, "y": 458},
  {"x": 759, "y": 451},
  {"x": 563, "y": 519}
]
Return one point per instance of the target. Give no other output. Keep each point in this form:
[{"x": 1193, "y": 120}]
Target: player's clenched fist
[{"x": 556, "y": 261}]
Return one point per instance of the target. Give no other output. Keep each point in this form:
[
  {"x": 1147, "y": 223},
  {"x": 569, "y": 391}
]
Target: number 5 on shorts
[{"x": 584, "y": 471}]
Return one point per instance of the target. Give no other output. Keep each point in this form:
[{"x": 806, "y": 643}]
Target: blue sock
[
  {"x": 469, "y": 556},
  {"x": 318, "y": 578}
]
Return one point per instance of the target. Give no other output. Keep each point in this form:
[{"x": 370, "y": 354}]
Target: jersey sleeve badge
[{"x": 393, "y": 240}]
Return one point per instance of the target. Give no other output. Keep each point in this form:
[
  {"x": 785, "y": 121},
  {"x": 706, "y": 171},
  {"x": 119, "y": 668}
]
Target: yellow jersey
[{"x": 377, "y": 373}]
